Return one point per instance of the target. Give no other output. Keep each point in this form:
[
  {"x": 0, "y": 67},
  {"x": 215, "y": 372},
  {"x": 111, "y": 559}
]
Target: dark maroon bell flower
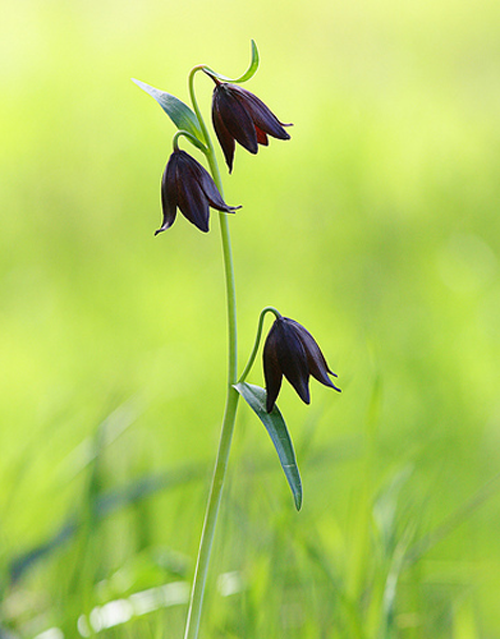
[
  {"x": 187, "y": 185},
  {"x": 292, "y": 351},
  {"x": 239, "y": 115}
]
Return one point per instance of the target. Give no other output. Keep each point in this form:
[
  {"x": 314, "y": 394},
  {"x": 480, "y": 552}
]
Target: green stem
[
  {"x": 214, "y": 500},
  {"x": 253, "y": 354},
  {"x": 189, "y": 136}
]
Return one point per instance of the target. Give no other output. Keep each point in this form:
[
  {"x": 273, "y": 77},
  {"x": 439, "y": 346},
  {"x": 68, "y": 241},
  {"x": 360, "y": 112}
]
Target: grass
[{"x": 376, "y": 227}]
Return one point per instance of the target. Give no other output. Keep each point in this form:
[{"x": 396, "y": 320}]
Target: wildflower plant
[{"x": 290, "y": 350}]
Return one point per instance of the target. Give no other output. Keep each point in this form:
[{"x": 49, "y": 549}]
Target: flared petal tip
[
  {"x": 223, "y": 207},
  {"x": 270, "y": 403},
  {"x": 285, "y": 135},
  {"x": 201, "y": 225},
  {"x": 165, "y": 226},
  {"x": 160, "y": 230},
  {"x": 332, "y": 385}
]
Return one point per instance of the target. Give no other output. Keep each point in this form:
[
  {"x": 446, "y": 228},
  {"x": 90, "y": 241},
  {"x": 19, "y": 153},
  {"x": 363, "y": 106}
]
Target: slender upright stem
[{"x": 214, "y": 500}]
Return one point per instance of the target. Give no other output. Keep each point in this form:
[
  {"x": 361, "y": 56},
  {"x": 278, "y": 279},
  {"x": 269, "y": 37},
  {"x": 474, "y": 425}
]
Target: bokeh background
[{"x": 377, "y": 226}]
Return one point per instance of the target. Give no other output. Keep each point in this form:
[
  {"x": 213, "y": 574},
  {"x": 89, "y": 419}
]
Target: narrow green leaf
[
  {"x": 249, "y": 73},
  {"x": 181, "y": 115},
  {"x": 276, "y": 427}
]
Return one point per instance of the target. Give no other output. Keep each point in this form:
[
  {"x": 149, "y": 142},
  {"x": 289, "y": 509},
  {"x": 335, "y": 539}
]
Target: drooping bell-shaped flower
[
  {"x": 187, "y": 185},
  {"x": 292, "y": 351},
  {"x": 240, "y": 115}
]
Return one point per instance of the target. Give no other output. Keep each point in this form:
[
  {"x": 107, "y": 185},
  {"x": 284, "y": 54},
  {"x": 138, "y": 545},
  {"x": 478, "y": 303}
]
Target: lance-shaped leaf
[
  {"x": 181, "y": 115},
  {"x": 249, "y": 73},
  {"x": 276, "y": 427}
]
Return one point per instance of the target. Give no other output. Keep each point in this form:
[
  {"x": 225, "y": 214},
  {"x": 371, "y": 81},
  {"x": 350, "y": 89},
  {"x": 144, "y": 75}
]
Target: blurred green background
[{"x": 376, "y": 227}]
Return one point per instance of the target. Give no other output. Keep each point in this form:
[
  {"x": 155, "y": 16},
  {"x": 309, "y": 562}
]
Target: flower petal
[
  {"x": 226, "y": 140},
  {"x": 192, "y": 201},
  {"x": 235, "y": 117},
  {"x": 194, "y": 206},
  {"x": 315, "y": 359},
  {"x": 292, "y": 357},
  {"x": 272, "y": 370},
  {"x": 210, "y": 189},
  {"x": 261, "y": 115},
  {"x": 261, "y": 136},
  {"x": 168, "y": 194}
]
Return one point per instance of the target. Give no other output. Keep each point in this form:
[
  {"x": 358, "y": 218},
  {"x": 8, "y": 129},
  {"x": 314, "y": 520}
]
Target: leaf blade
[
  {"x": 181, "y": 115},
  {"x": 278, "y": 432}
]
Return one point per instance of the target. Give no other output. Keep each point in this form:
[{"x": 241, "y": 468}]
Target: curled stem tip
[{"x": 247, "y": 75}]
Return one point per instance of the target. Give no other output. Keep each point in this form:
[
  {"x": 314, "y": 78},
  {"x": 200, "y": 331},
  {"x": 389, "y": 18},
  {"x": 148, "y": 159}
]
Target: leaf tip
[
  {"x": 142, "y": 85},
  {"x": 298, "y": 501},
  {"x": 297, "y": 495}
]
